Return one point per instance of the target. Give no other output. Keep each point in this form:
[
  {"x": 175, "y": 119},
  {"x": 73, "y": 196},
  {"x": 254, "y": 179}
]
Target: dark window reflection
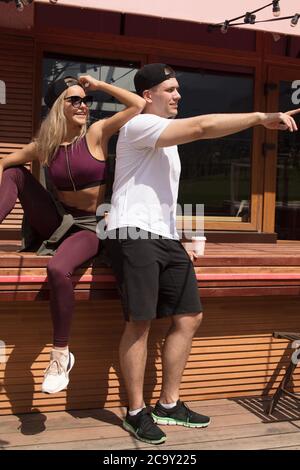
[
  {"x": 217, "y": 172},
  {"x": 287, "y": 222}
]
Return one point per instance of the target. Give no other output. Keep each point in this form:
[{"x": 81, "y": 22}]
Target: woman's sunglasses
[{"x": 76, "y": 101}]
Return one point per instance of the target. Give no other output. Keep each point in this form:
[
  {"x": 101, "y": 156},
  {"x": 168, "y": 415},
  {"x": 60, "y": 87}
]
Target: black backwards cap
[
  {"x": 58, "y": 87},
  {"x": 151, "y": 75}
]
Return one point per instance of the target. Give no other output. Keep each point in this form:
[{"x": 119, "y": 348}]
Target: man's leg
[
  {"x": 134, "y": 264},
  {"x": 175, "y": 353},
  {"x": 178, "y": 294},
  {"x": 169, "y": 409},
  {"x": 133, "y": 357}
]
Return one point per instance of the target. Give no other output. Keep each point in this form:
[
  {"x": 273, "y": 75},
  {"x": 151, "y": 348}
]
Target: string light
[
  {"x": 250, "y": 18},
  {"x": 20, "y": 4}
]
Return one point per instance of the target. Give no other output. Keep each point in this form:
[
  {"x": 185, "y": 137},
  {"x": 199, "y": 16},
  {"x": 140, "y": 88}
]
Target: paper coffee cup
[{"x": 198, "y": 245}]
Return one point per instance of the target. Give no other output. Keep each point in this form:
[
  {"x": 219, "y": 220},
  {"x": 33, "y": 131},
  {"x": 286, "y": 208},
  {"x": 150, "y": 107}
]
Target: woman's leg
[
  {"x": 37, "y": 203},
  {"x": 75, "y": 250},
  {"x": 72, "y": 253}
]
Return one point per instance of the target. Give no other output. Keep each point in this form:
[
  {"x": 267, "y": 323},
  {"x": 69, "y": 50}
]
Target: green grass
[{"x": 210, "y": 190}]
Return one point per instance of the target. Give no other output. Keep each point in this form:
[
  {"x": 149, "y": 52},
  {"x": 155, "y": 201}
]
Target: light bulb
[
  {"x": 295, "y": 19},
  {"x": 249, "y": 18},
  {"x": 19, "y": 5},
  {"x": 224, "y": 27},
  {"x": 276, "y": 8}
]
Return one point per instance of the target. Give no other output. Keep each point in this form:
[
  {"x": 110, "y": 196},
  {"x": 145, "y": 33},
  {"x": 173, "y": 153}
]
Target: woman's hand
[{"x": 89, "y": 83}]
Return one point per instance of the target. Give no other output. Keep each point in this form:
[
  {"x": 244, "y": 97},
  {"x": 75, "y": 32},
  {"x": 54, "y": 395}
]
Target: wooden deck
[{"x": 239, "y": 423}]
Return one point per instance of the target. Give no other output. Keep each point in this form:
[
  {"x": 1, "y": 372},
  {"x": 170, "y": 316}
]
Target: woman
[{"x": 75, "y": 160}]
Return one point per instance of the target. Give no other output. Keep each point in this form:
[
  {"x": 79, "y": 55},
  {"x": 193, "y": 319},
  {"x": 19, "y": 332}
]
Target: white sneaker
[{"x": 56, "y": 376}]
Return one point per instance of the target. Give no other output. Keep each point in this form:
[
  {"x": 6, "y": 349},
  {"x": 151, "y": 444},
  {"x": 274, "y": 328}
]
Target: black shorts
[{"x": 156, "y": 278}]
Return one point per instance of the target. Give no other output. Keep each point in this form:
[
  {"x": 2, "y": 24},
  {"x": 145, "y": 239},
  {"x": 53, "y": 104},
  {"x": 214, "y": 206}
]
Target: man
[{"x": 154, "y": 273}]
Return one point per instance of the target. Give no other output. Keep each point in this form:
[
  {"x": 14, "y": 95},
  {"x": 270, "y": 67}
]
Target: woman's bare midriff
[{"x": 84, "y": 199}]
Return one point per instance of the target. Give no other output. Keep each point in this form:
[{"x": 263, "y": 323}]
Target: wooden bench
[
  {"x": 248, "y": 292},
  {"x": 231, "y": 270}
]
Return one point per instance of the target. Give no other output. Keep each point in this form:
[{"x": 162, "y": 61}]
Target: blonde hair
[{"x": 53, "y": 131}]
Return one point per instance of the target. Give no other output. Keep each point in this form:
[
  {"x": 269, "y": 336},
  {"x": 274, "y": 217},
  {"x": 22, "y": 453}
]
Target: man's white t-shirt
[{"x": 146, "y": 181}]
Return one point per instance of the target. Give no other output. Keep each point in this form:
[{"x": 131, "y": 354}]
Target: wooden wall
[
  {"x": 233, "y": 353},
  {"x": 16, "y": 116}
]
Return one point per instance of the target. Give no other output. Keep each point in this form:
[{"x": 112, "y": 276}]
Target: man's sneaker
[
  {"x": 179, "y": 414},
  {"x": 56, "y": 376},
  {"x": 144, "y": 428}
]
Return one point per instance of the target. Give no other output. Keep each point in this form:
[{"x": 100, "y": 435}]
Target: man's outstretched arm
[{"x": 212, "y": 126}]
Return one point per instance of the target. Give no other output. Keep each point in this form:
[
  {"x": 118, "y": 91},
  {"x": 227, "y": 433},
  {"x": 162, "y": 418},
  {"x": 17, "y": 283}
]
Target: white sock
[
  {"x": 135, "y": 412},
  {"x": 64, "y": 351},
  {"x": 168, "y": 406}
]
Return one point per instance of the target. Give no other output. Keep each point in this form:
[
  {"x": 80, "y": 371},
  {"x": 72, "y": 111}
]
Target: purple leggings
[{"x": 77, "y": 248}]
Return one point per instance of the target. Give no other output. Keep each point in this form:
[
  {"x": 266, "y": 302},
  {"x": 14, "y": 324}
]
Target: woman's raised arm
[{"x": 134, "y": 105}]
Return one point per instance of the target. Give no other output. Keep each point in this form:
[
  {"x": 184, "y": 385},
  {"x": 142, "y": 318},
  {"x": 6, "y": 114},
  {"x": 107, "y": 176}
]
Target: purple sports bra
[{"x": 73, "y": 168}]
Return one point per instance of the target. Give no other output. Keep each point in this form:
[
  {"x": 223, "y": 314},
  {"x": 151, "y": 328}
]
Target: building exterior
[{"x": 249, "y": 184}]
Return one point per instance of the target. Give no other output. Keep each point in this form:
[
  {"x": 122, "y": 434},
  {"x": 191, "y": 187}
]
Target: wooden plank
[
  {"x": 259, "y": 443},
  {"x": 17, "y": 58},
  {"x": 91, "y": 418},
  {"x": 185, "y": 439},
  {"x": 40, "y": 293},
  {"x": 279, "y": 255}
]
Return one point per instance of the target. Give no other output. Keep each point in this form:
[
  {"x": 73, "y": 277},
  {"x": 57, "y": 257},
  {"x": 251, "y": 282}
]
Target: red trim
[
  {"x": 247, "y": 276},
  {"x": 40, "y": 279}
]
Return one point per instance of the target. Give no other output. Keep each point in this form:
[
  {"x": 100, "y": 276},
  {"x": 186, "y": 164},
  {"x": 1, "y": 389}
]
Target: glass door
[{"x": 284, "y": 159}]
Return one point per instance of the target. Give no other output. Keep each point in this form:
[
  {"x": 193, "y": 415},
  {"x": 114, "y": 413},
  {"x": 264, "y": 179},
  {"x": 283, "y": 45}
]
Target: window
[{"x": 217, "y": 172}]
